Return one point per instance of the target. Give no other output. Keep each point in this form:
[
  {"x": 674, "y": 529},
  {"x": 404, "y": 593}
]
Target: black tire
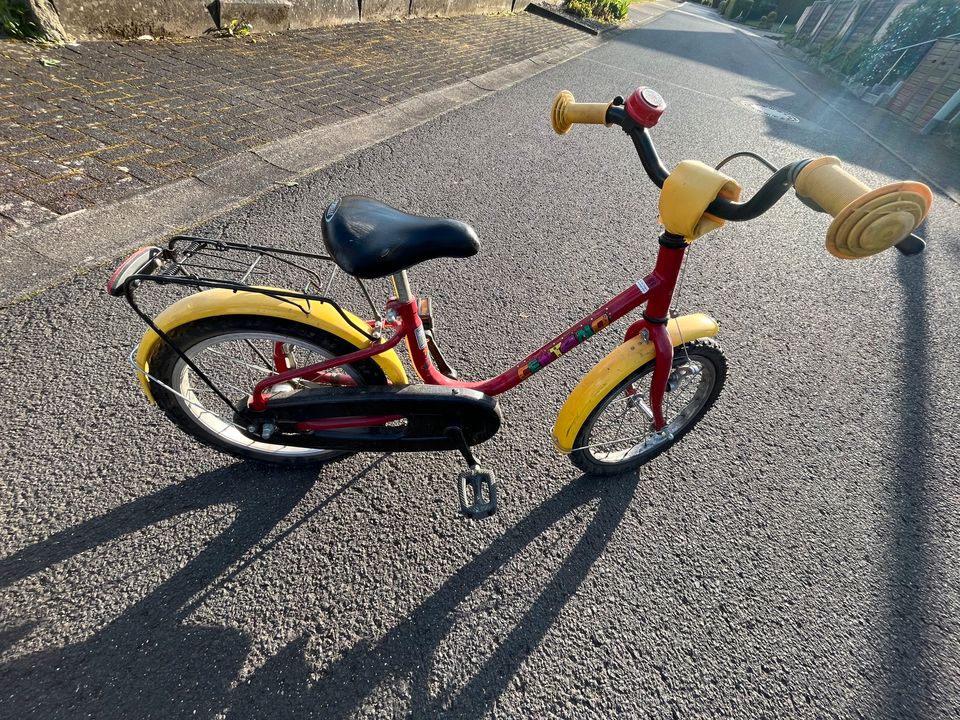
[
  {"x": 706, "y": 354},
  {"x": 167, "y": 367}
]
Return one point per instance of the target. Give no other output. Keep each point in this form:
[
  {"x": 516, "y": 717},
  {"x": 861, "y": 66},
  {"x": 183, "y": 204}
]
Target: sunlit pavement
[{"x": 795, "y": 556}]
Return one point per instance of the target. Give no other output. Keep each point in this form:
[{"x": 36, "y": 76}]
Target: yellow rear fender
[
  {"x": 212, "y": 303},
  {"x": 614, "y": 369}
]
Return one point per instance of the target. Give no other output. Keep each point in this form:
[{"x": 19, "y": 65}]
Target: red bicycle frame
[{"x": 656, "y": 289}]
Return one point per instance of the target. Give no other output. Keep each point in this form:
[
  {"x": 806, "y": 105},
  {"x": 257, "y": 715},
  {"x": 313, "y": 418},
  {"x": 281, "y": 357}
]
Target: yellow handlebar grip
[
  {"x": 866, "y": 221},
  {"x": 830, "y": 186},
  {"x": 566, "y": 112}
]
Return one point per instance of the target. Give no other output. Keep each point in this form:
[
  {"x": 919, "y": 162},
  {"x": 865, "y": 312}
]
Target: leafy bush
[
  {"x": 604, "y": 10},
  {"x": 16, "y": 22},
  {"x": 762, "y": 8},
  {"x": 847, "y": 60},
  {"x": 722, "y": 6},
  {"x": 235, "y": 28},
  {"x": 926, "y": 20},
  {"x": 767, "y": 21}
]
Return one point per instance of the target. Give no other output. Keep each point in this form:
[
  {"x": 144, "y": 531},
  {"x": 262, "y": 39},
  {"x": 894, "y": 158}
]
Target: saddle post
[{"x": 401, "y": 285}]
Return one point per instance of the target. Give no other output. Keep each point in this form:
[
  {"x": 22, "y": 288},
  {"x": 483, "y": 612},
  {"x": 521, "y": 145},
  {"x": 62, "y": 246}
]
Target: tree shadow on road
[
  {"x": 821, "y": 128},
  {"x": 151, "y": 662}
]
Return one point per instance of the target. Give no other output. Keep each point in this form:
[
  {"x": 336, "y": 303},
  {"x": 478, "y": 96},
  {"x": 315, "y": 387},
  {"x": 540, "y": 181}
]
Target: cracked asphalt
[{"x": 795, "y": 556}]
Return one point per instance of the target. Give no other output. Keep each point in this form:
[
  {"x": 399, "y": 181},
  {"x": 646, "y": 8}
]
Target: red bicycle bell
[{"x": 645, "y": 106}]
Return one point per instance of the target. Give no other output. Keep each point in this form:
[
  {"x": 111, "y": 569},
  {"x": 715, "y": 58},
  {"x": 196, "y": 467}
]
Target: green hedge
[{"x": 605, "y": 10}]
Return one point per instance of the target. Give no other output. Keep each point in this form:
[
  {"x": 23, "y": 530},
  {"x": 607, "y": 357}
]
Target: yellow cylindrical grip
[
  {"x": 565, "y": 113},
  {"x": 830, "y": 186},
  {"x": 865, "y": 221}
]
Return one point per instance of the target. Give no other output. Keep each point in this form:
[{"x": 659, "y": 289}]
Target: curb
[
  {"x": 40, "y": 257},
  {"x": 556, "y": 17}
]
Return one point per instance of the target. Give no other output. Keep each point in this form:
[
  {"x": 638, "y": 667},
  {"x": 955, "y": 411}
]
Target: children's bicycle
[{"x": 289, "y": 376}]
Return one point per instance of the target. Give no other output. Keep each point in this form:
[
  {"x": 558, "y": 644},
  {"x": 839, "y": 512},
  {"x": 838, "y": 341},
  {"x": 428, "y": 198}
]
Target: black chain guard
[{"x": 427, "y": 412}]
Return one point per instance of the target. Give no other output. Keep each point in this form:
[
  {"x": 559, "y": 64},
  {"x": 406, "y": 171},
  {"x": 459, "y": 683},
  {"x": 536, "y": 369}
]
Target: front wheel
[{"x": 618, "y": 436}]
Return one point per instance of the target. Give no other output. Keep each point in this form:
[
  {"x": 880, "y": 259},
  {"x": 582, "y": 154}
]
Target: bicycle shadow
[
  {"x": 150, "y": 662},
  {"x": 911, "y": 689},
  {"x": 283, "y": 687}
]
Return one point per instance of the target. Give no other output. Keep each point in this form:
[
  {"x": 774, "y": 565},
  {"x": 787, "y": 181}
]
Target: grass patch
[{"x": 775, "y": 26}]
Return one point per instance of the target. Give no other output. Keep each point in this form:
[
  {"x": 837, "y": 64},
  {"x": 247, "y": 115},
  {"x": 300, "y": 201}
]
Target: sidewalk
[
  {"x": 928, "y": 154},
  {"x": 124, "y": 143},
  {"x": 933, "y": 161},
  {"x": 113, "y": 119}
]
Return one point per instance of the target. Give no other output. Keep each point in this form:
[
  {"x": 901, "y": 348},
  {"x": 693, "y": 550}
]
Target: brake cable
[{"x": 746, "y": 153}]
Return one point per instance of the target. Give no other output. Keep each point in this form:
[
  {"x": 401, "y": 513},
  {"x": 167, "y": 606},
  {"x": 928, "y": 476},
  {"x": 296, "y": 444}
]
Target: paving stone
[
  {"x": 109, "y": 192},
  {"x": 22, "y": 211},
  {"x": 63, "y": 204},
  {"x": 121, "y": 153},
  {"x": 42, "y": 165},
  {"x": 34, "y": 145},
  {"x": 154, "y": 112},
  {"x": 98, "y": 170},
  {"x": 9, "y": 174},
  {"x": 144, "y": 172},
  {"x": 45, "y": 192}
]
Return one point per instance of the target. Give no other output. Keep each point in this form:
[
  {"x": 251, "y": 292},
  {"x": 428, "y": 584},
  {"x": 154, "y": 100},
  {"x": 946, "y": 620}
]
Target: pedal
[{"x": 477, "y": 489}]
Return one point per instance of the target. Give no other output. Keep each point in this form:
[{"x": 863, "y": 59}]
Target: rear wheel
[
  {"x": 236, "y": 352},
  {"x": 618, "y": 436}
]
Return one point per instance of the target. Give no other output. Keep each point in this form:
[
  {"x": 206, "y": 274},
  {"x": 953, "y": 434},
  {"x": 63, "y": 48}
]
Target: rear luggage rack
[{"x": 201, "y": 263}]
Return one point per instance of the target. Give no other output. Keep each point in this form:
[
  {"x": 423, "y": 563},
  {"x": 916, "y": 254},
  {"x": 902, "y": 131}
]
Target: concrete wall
[
  {"x": 423, "y": 8},
  {"x": 131, "y": 18}
]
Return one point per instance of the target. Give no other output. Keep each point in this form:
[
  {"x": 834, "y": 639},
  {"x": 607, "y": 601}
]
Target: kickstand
[{"x": 476, "y": 486}]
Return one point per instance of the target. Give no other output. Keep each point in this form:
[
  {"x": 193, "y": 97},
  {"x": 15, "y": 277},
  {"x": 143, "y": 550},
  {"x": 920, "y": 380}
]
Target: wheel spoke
[
  {"x": 235, "y": 362},
  {"x": 238, "y": 361},
  {"x": 256, "y": 352},
  {"x": 617, "y": 436}
]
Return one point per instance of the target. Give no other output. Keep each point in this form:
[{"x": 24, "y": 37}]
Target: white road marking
[{"x": 658, "y": 79}]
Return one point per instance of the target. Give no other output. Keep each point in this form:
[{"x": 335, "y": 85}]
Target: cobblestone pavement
[{"x": 116, "y": 118}]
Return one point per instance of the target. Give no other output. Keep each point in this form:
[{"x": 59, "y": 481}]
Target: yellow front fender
[
  {"x": 210, "y": 303},
  {"x": 614, "y": 369}
]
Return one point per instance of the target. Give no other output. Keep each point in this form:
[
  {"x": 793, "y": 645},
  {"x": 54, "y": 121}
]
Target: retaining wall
[{"x": 132, "y": 18}]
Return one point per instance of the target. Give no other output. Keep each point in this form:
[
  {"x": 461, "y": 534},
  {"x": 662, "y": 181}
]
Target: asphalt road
[{"x": 796, "y": 556}]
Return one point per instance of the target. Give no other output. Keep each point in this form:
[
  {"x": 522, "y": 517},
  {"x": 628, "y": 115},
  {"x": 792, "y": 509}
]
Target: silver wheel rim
[
  {"x": 623, "y": 430},
  {"x": 254, "y": 363}
]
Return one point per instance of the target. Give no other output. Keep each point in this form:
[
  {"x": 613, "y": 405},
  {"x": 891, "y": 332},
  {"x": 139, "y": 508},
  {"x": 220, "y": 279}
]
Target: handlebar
[
  {"x": 764, "y": 199},
  {"x": 892, "y": 212}
]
